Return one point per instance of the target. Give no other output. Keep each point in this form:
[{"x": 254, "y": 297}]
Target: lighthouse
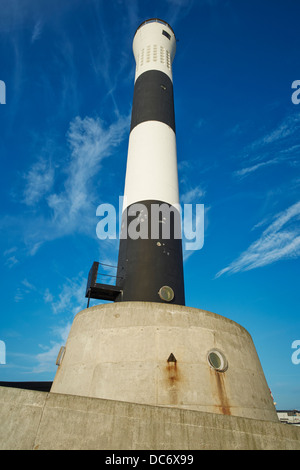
[
  {"x": 146, "y": 371},
  {"x": 147, "y": 346},
  {"x": 150, "y": 264}
]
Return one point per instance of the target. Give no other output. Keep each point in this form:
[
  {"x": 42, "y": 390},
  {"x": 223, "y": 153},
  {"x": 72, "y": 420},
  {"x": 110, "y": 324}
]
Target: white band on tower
[{"x": 154, "y": 47}]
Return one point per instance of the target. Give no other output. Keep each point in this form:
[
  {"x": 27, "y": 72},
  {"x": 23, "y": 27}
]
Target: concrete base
[
  {"x": 120, "y": 352},
  {"x": 48, "y": 421}
]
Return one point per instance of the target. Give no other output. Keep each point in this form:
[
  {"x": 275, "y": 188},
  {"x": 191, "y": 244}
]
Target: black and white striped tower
[
  {"x": 150, "y": 266},
  {"x": 176, "y": 356}
]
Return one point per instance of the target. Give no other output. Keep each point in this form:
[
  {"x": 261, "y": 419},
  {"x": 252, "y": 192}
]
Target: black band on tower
[
  {"x": 153, "y": 99},
  {"x": 146, "y": 265}
]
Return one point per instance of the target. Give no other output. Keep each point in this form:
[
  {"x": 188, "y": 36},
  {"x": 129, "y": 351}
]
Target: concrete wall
[
  {"x": 48, "y": 421},
  {"x": 120, "y": 352}
]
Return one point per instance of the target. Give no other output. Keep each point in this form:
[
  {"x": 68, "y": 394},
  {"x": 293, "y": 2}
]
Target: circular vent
[
  {"x": 217, "y": 360},
  {"x": 166, "y": 293}
]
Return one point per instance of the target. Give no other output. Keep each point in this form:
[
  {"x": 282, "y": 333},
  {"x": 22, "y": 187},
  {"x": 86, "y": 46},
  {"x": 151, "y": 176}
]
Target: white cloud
[
  {"x": 280, "y": 143},
  {"x": 18, "y": 295},
  {"x": 10, "y": 250},
  {"x": 28, "y": 285},
  {"x": 193, "y": 195},
  {"x": 11, "y": 261},
  {"x": 90, "y": 142},
  {"x": 179, "y": 9},
  {"x": 63, "y": 331},
  {"x": 48, "y": 297},
  {"x": 39, "y": 181},
  {"x": 36, "y": 31},
  {"x": 288, "y": 127},
  {"x": 46, "y": 361},
  {"x": 246, "y": 171},
  {"x": 280, "y": 240},
  {"x": 70, "y": 301},
  {"x": 25, "y": 288},
  {"x": 71, "y": 298},
  {"x": 73, "y": 207}
]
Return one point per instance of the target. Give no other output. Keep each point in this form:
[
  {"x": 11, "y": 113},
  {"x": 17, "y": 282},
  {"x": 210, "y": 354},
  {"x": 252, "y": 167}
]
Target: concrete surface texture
[
  {"x": 122, "y": 352},
  {"x": 31, "y": 420}
]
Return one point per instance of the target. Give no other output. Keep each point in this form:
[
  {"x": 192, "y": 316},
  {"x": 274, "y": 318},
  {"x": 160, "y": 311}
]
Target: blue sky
[{"x": 69, "y": 71}]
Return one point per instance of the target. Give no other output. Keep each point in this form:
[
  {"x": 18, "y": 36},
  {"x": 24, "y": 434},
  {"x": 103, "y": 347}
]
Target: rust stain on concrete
[
  {"x": 173, "y": 379},
  {"x": 219, "y": 381}
]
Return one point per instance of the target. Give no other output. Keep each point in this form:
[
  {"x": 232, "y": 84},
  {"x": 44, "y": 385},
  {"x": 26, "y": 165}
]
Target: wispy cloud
[
  {"x": 279, "y": 143},
  {"x": 280, "y": 240},
  {"x": 193, "y": 195},
  {"x": 48, "y": 297},
  {"x": 38, "y": 181},
  {"x": 90, "y": 142},
  {"x": 179, "y": 9},
  {"x": 28, "y": 285},
  {"x": 11, "y": 261},
  {"x": 102, "y": 52},
  {"x": 248, "y": 170},
  {"x": 45, "y": 361},
  {"x": 71, "y": 298},
  {"x": 9, "y": 257},
  {"x": 284, "y": 131},
  {"x": 36, "y": 31},
  {"x": 73, "y": 207},
  {"x": 286, "y": 128},
  {"x": 23, "y": 289},
  {"x": 69, "y": 301}
]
